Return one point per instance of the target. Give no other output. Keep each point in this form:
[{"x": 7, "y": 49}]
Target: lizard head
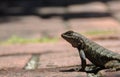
[{"x": 73, "y": 38}]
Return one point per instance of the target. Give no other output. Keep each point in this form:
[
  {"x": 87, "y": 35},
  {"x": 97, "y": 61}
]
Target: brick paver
[
  {"x": 116, "y": 15},
  {"x": 61, "y": 59},
  {"x": 42, "y": 48},
  {"x": 37, "y": 73},
  {"x": 32, "y": 26},
  {"x": 115, "y": 12},
  {"x": 15, "y": 61},
  {"x": 91, "y": 24},
  {"x": 97, "y": 7},
  {"x": 112, "y": 6}
]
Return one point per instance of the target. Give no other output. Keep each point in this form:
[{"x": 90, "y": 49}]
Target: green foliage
[
  {"x": 19, "y": 40},
  {"x": 100, "y": 32}
]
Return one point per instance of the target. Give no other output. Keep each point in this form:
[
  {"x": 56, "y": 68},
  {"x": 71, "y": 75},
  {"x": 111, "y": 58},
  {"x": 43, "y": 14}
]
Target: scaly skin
[{"x": 97, "y": 54}]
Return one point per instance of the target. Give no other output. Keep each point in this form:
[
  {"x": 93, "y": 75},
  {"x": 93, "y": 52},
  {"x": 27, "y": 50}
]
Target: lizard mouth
[
  {"x": 65, "y": 36},
  {"x": 62, "y": 35}
]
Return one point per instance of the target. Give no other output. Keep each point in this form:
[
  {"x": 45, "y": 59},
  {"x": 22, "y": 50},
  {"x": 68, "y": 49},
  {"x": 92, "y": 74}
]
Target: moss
[
  {"x": 99, "y": 32},
  {"x": 19, "y": 40}
]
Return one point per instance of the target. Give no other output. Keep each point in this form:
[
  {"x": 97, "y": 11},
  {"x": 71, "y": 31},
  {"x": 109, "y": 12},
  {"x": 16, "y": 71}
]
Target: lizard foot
[
  {"x": 110, "y": 70},
  {"x": 79, "y": 69},
  {"x": 93, "y": 69},
  {"x": 72, "y": 69}
]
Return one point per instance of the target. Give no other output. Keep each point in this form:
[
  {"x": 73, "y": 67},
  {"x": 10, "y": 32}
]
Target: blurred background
[
  {"x": 29, "y": 27},
  {"x": 44, "y": 18}
]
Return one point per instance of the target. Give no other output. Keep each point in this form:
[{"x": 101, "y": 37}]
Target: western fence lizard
[{"x": 98, "y": 55}]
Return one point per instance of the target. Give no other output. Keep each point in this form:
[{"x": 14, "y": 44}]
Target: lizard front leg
[{"x": 83, "y": 59}]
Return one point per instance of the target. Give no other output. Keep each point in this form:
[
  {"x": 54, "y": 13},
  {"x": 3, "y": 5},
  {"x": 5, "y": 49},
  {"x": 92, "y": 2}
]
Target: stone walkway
[{"x": 94, "y": 16}]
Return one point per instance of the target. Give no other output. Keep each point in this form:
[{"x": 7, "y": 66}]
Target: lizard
[{"x": 95, "y": 53}]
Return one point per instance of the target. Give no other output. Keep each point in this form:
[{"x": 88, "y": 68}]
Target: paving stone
[
  {"x": 42, "y": 74},
  {"x": 110, "y": 74},
  {"x": 116, "y": 15},
  {"x": 61, "y": 59},
  {"x": 59, "y": 54},
  {"x": 112, "y": 6},
  {"x": 32, "y": 26},
  {"x": 98, "y": 7},
  {"x": 40, "y": 48},
  {"x": 15, "y": 61},
  {"x": 94, "y": 24},
  {"x": 112, "y": 45}
]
